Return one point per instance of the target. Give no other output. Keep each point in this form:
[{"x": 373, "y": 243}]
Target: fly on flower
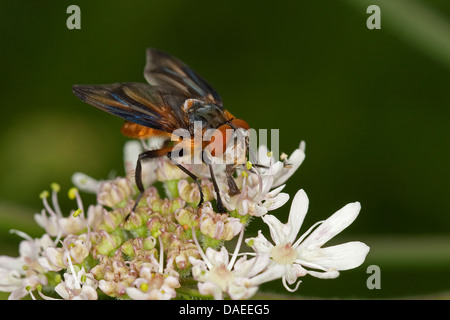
[{"x": 176, "y": 100}]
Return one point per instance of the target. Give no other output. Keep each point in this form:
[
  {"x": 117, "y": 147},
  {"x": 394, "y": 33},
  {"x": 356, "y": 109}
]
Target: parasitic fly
[{"x": 175, "y": 98}]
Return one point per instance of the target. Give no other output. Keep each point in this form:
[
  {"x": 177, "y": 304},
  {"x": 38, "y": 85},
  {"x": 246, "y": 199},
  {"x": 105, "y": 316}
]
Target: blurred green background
[{"x": 372, "y": 106}]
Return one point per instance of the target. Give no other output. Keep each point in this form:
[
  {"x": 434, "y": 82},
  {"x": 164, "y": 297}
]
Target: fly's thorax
[
  {"x": 213, "y": 132},
  {"x": 210, "y": 115}
]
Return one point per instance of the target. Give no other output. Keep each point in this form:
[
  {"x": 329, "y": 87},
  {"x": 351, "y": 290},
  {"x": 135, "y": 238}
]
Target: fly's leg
[
  {"x": 229, "y": 170},
  {"x": 220, "y": 206},
  {"x": 191, "y": 175},
  {"x": 146, "y": 155}
]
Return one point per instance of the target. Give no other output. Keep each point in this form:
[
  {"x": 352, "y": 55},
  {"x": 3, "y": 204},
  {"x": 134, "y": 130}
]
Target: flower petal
[
  {"x": 276, "y": 202},
  {"x": 210, "y": 288},
  {"x": 217, "y": 258},
  {"x": 61, "y": 289},
  {"x": 267, "y": 181},
  {"x": 295, "y": 160},
  {"x": 274, "y": 271},
  {"x": 333, "y": 225},
  {"x": 8, "y": 264},
  {"x": 18, "y": 294},
  {"x": 276, "y": 191},
  {"x": 263, "y": 157},
  {"x": 131, "y": 151},
  {"x": 10, "y": 281},
  {"x": 242, "y": 290},
  {"x": 250, "y": 268},
  {"x": 340, "y": 257},
  {"x": 299, "y": 208},
  {"x": 293, "y": 272},
  {"x": 260, "y": 244},
  {"x": 85, "y": 183},
  {"x": 331, "y": 274},
  {"x": 278, "y": 231}
]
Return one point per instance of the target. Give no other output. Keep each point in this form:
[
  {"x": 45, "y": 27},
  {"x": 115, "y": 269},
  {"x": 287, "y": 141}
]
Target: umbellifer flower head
[{"x": 168, "y": 241}]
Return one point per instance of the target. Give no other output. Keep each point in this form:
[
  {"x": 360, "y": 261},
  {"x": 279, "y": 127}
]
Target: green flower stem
[{"x": 189, "y": 291}]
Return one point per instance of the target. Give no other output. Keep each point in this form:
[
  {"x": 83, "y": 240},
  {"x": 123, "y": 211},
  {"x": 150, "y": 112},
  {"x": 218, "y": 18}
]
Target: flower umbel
[{"x": 158, "y": 250}]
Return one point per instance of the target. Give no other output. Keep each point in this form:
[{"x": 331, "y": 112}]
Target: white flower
[
  {"x": 153, "y": 285},
  {"x": 59, "y": 226},
  {"x": 155, "y": 282},
  {"x": 11, "y": 273},
  {"x": 120, "y": 254},
  {"x": 280, "y": 170},
  {"x": 78, "y": 286},
  {"x": 306, "y": 252},
  {"x": 52, "y": 219},
  {"x": 21, "y": 274},
  {"x": 217, "y": 274},
  {"x": 255, "y": 198},
  {"x": 75, "y": 248},
  {"x": 261, "y": 187}
]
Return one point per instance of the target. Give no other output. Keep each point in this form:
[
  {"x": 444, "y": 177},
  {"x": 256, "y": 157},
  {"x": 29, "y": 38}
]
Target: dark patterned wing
[
  {"x": 166, "y": 71},
  {"x": 146, "y": 105}
]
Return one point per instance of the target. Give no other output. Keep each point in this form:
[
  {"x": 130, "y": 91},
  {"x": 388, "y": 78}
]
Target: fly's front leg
[
  {"x": 220, "y": 206},
  {"x": 207, "y": 160},
  {"x": 191, "y": 175}
]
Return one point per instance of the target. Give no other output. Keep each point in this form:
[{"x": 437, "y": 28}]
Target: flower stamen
[
  {"x": 72, "y": 269},
  {"x": 55, "y": 189},
  {"x": 236, "y": 250},
  {"x": 75, "y": 194},
  {"x": 44, "y": 195},
  {"x": 161, "y": 256}
]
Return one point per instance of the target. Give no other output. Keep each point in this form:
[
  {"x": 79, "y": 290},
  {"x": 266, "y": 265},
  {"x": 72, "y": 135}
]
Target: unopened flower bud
[
  {"x": 165, "y": 206},
  {"x": 166, "y": 170},
  {"x": 178, "y": 253},
  {"x": 111, "y": 219},
  {"x": 109, "y": 242},
  {"x": 190, "y": 192},
  {"x": 218, "y": 226},
  {"x": 115, "y": 192},
  {"x": 187, "y": 217}
]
